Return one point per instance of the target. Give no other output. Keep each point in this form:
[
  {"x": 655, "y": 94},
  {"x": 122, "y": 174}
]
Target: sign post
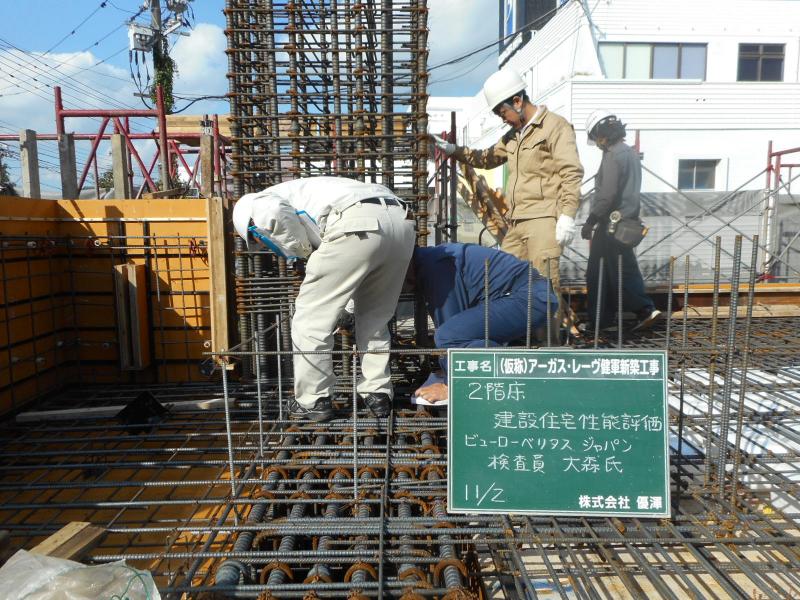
[{"x": 558, "y": 432}]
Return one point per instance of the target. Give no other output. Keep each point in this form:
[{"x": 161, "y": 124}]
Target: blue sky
[{"x": 32, "y": 27}]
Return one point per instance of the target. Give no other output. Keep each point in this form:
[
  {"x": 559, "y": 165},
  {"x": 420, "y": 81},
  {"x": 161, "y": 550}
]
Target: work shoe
[
  {"x": 319, "y": 413},
  {"x": 646, "y": 319},
  {"x": 379, "y": 404}
]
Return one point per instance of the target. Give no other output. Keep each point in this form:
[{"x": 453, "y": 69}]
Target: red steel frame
[{"x": 166, "y": 145}]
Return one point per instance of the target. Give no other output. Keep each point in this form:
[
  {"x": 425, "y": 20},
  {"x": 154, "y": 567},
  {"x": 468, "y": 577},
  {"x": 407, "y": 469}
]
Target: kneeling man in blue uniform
[{"x": 450, "y": 279}]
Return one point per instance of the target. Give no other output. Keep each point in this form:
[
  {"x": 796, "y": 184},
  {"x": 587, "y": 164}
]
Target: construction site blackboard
[{"x": 558, "y": 432}]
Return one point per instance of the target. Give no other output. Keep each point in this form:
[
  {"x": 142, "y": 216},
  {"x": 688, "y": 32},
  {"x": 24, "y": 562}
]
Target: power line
[
  {"x": 530, "y": 25},
  {"x": 79, "y": 86},
  {"x": 91, "y": 14}
]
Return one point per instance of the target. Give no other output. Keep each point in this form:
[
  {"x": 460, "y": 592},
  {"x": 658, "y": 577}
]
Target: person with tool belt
[
  {"x": 544, "y": 172},
  {"x": 616, "y": 196},
  {"x": 358, "y": 243}
]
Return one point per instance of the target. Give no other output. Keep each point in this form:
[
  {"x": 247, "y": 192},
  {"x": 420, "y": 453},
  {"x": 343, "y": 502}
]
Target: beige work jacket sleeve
[
  {"x": 488, "y": 158},
  {"x": 568, "y": 167}
]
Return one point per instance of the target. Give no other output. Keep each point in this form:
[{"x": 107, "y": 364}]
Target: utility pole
[
  {"x": 154, "y": 38},
  {"x": 163, "y": 65}
]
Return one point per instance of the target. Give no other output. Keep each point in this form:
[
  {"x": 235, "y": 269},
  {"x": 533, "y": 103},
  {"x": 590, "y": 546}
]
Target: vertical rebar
[
  {"x": 258, "y": 397},
  {"x": 486, "y": 303},
  {"x": 530, "y": 306},
  {"x": 229, "y": 436},
  {"x": 354, "y": 396},
  {"x": 682, "y": 386},
  {"x": 549, "y": 310},
  {"x": 712, "y": 365},
  {"x": 670, "y": 291},
  {"x": 730, "y": 348},
  {"x": 737, "y": 445},
  {"x": 619, "y": 301},
  {"x": 599, "y": 303},
  {"x": 279, "y": 364}
]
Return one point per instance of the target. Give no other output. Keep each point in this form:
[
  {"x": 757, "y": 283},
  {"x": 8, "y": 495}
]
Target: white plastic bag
[{"x": 32, "y": 576}]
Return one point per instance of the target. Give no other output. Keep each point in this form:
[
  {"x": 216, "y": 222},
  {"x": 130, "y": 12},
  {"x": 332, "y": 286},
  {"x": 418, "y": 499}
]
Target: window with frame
[
  {"x": 623, "y": 60},
  {"x": 697, "y": 174},
  {"x": 760, "y": 62}
]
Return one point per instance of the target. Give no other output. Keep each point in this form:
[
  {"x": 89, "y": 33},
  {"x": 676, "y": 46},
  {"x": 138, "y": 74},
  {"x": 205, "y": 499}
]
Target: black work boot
[
  {"x": 379, "y": 404},
  {"x": 319, "y": 413}
]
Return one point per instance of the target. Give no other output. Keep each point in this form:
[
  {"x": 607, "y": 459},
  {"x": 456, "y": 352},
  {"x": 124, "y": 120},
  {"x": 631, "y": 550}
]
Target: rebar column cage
[{"x": 328, "y": 87}]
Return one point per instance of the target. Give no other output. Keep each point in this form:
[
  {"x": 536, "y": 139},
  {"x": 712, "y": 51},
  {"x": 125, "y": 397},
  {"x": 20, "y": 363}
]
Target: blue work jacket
[{"x": 451, "y": 277}]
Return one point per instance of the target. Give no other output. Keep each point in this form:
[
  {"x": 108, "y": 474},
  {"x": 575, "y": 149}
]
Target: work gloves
[
  {"x": 442, "y": 144},
  {"x": 586, "y": 230},
  {"x": 565, "y": 230}
]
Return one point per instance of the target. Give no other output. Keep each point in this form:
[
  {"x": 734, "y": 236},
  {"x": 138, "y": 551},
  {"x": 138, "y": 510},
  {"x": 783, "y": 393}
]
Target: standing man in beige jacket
[{"x": 544, "y": 172}]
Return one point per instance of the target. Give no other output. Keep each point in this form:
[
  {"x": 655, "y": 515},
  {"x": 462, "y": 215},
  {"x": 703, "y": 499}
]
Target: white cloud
[
  {"x": 27, "y": 101},
  {"x": 201, "y": 61}
]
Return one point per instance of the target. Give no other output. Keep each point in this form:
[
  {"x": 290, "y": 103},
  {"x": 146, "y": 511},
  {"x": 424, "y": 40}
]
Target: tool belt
[{"x": 628, "y": 232}]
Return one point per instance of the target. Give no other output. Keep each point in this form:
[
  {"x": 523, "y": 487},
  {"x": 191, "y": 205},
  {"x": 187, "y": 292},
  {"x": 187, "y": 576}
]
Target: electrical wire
[
  {"x": 82, "y": 89},
  {"x": 462, "y": 74},
  {"x": 91, "y": 14},
  {"x": 530, "y": 25}
]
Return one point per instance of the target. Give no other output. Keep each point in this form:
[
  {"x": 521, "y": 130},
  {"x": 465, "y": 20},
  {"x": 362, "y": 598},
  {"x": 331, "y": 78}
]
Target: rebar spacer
[
  {"x": 370, "y": 470},
  {"x": 449, "y": 562},
  {"x": 262, "y": 579},
  {"x": 415, "y": 572},
  {"x": 311, "y": 470},
  {"x": 316, "y": 578},
  {"x": 404, "y": 469},
  {"x": 406, "y": 496},
  {"x": 275, "y": 469},
  {"x": 338, "y": 471},
  {"x": 356, "y": 595},
  {"x": 262, "y": 493},
  {"x": 300, "y": 495},
  {"x": 411, "y": 595},
  {"x": 432, "y": 469},
  {"x": 360, "y": 566}
]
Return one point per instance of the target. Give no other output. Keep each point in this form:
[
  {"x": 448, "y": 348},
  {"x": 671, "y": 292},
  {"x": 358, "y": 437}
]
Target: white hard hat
[
  {"x": 594, "y": 118},
  {"x": 242, "y": 213},
  {"x": 501, "y": 86}
]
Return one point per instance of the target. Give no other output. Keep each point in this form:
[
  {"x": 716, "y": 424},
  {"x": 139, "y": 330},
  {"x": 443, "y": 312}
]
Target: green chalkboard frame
[{"x": 468, "y": 484}]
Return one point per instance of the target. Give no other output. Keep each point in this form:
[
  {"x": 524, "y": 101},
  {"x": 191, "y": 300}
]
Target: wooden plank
[
  {"x": 122, "y": 315},
  {"x": 759, "y": 311},
  {"x": 139, "y": 325},
  {"x": 72, "y": 541},
  {"x": 177, "y": 209},
  {"x": 218, "y": 280}
]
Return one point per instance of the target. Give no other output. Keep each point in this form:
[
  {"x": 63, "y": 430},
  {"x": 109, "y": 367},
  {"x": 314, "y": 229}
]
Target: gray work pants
[{"x": 364, "y": 254}]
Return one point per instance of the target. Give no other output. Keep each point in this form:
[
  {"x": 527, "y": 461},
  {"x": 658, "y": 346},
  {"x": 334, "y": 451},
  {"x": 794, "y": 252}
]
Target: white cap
[
  {"x": 501, "y": 86},
  {"x": 594, "y": 118},
  {"x": 242, "y": 213}
]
